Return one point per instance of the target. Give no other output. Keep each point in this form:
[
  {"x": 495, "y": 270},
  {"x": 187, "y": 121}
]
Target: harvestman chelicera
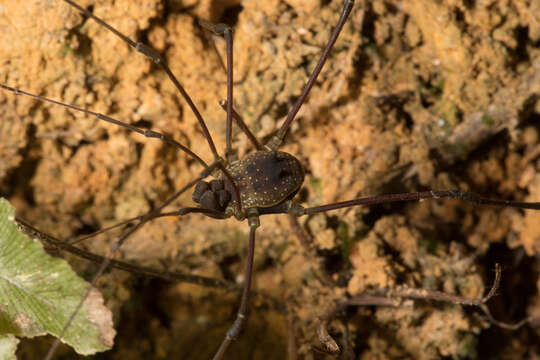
[{"x": 265, "y": 182}]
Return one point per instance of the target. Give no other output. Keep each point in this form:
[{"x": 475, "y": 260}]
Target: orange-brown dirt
[{"x": 416, "y": 95}]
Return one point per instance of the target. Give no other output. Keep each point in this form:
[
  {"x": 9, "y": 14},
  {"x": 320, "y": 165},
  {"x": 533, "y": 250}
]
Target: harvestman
[{"x": 265, "y": 182}]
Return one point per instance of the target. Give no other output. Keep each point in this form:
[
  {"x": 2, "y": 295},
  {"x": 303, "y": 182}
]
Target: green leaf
[
  {"x": 8, "y": 345},
  {"x": 38, "y": 294}
]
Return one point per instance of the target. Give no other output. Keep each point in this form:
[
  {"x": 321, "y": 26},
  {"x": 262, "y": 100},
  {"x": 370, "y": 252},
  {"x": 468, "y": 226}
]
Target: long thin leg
[
  {"x": 241, "y": 317},
  {"x": 102, "y": 117},
  {"x": 147, "y": 133},
  {"x": 227, "y": 105},
  {"x": 226, "y": 31},
  {"x": 306, "y": 240},
  {"x": 122, "y": 265},
  {"x": 242, "y": 125},
  {"x": 434, "y": 194},
  {"x": 145, "y": 50},
  {"x": 104, "y": 230},
  {"x": 214, "y": 47},
  {"x": 116, "y": 245},
  {"x": 183, "y": 211},
  {"x": 157, "y": 59},
  {"x": 290, "y": 117}
]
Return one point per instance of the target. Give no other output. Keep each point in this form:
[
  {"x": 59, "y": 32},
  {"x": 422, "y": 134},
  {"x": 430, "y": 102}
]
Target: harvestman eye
[{"x": 263, "y": 182}]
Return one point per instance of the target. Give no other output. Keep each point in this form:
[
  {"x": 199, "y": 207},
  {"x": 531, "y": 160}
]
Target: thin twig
[
  {"x": 394, "y": 298},
  {"x": 531, "y": 320},
  {"x": 421, "y": 294}
]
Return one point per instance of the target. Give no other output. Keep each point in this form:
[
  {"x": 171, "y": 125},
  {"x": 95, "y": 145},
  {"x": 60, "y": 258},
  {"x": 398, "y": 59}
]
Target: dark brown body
[{"x": 265, "y": 180}]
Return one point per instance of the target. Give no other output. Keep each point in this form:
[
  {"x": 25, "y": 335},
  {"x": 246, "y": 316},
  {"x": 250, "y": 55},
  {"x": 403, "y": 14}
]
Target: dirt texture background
[{"x": 416, "y": 95}]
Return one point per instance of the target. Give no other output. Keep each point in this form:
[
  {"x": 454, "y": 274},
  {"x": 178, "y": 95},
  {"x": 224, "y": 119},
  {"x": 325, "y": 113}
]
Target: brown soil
[{"x": 416, "y": 95}]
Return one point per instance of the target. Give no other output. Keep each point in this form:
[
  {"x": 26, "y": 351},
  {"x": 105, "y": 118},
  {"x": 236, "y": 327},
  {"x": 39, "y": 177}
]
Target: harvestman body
[{"x": 264, "y": 182}]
